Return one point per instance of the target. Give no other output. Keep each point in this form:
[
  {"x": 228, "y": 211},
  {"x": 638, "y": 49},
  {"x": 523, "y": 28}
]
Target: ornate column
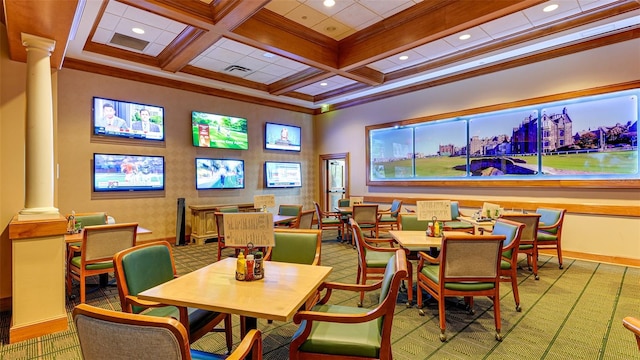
[{"x": 39, "y": 160}]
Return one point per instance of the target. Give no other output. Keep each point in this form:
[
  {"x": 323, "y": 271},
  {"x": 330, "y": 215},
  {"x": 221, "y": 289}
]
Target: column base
[{"x": 40, "y": 213}]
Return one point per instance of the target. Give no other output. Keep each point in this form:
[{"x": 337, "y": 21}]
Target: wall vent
[
  {"x": 128, "y": 42},
  {"x": 232, "y": 68}
]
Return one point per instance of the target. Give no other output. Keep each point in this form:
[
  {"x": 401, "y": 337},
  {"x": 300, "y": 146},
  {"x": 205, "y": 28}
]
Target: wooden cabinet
[{"x": 203, "y": 222}]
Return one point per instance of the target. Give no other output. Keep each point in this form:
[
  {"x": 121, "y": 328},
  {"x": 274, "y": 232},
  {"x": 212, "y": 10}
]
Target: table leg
[{"x": 247, "y": 323}]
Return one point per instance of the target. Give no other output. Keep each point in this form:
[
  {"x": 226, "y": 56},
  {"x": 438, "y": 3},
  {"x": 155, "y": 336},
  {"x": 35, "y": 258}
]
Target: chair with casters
[
  {"x": 372, "y": 259},
  {"x": 106, "y": 334},
  {"x": 633, "y": 325},
  {"x": 389, "y": 217},
  {"x": 512, "y": 232},
  {"x": 342, "y": 332},
  {"x": 529, "y": 238},
  {"x": 147, "y": 265},
  {"x": 289, "y": 210},
  {"x": 99, "y": 244},
  {"x": 455, "y": 224},
  {"x": 550, "y": 230},
  {"x": 219, "y": 217},
  {"x": 305, "y": 221},
  {"x": 468, "y": 266},
  {"x": 329, "y": 220},
  {"x": 366, "y": 215},
  {"x": 411, "y": 222}
]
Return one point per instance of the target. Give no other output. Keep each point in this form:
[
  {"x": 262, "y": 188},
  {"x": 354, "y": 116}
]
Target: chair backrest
[
  {"x": 290, "y": 210},
  {"x": 140, "y": 268},
  {"x": 411, "y": 222},
  {"x": 344, "y": 202},
  {"x": 91, "y": 219},
  {"x": 100, "y": 243},
  {"x": 365, "y": 213},
  {"x": 106, "y": 334},
  {"x": 530, "y": 230},
  {"x": 299, "y": 246},
  {"x": 470, "y": 258},
  {"x": 455, "y": 210},
  {"x": 306, "y": 219},
  {"x": 396, "y": 206},
  {"x": 219, "y": 217},
  {"x": 512, "y": 231},
  {"x": 552, "y": 217},
  {"x": 229, "y": 209},
  {"x": 395, "y": 271}
]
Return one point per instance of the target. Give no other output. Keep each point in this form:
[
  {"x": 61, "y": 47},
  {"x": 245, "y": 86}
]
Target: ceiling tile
[
  {"x": 478, "y": 36},
  {"x": 306, "y": 16},
  {"x": 282, "y": 6},
  {"x": 235, "y": 46},
  {"x": 224, "y": 55},
  {"x": 153, "y": 49},
  {"x": 145, "y": 17},
  {"x": 293, "y": 65},
  {"x": 331, "y": 27},
  {"x": 116, "y": 8},
  {"x": 262, "y": 78},
  {"x": 109, "y": 21},
  {"x": 434, "y": 50},
  {"x": 592, "y": 4},
  {"x": 125, "y": 25},
  {"x": 506, "y": 25},
  {"x": 356, "y": 15},
  {"x": 539, "y": 17},
  {"x": 275, "y": 70},
  {"x": 329, "y": 11},
  {"x": 383, "y": 7},
  {"x": 208, "y": 63},
  {"x": 251, "y": 63},
  {"x": 102, "y": 36}
]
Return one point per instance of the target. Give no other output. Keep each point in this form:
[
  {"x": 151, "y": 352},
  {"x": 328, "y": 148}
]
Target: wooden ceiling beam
[{"x": 298, "y": 80}]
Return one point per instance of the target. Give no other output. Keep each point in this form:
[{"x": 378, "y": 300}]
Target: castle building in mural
[{"x": 556, "y": 131}]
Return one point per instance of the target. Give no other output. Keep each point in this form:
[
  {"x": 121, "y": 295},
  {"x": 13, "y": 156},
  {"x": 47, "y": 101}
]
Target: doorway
[{"x": 334, "y": 171}]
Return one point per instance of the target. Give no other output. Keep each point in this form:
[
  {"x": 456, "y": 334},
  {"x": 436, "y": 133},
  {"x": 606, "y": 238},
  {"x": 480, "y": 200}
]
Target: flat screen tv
[
  {"x": 282, "y": 174},
  {"x": 219, "y": 131},
  {"x": 281, "y": 137},
  {"x": 116, "y": 172},
  {"x": 219, "y": 174},
  {"x": 123, "y": 119}
]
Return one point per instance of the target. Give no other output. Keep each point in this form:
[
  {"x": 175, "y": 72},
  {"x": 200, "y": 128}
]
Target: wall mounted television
[
  {"x": 123, "y": 119},
  {"x": 219, "y": 131},
  {"x": 219, "y": 174},
  {"x": 116, "y": 172},
  {"x": 281, "y": 137},
  {"x": 282, "y": 174}
]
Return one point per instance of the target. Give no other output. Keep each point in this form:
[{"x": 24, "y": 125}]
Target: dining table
[
  {"x": 77, "y": 237},
  {"x": 277, "y": 218},
  {"x": 278, "y": 296}
]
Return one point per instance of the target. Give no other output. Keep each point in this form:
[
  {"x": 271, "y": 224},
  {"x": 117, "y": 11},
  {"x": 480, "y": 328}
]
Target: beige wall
[{"x": 343, "y": 131}]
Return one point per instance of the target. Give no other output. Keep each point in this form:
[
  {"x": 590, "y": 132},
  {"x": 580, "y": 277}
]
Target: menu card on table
[
  {"x": 256, "y": 228},
  {"x": 438, "y": 209},
  {"x": 264, "y": 201},
  {"x": 356, "y": 200}
]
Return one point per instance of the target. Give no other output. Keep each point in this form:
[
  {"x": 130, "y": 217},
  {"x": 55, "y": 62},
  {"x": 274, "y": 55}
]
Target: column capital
[{"x": 37, "y": 42}]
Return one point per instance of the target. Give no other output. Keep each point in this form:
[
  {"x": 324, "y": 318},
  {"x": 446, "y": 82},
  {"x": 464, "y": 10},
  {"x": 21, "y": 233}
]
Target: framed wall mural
[{"x": 590, "y": 141}]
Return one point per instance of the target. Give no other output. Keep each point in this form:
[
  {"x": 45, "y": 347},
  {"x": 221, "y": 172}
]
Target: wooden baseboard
[
  {"x": 616, "y": 260},
  {"x": 17, "y": 334}
]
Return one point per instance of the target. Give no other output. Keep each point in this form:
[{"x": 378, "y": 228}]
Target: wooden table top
[
  {"x": 278, "y": 296},
  {"x": 69, "y": 238},
  {"x": 282, "y": 218},
  {"x": 417, "y": 240}
]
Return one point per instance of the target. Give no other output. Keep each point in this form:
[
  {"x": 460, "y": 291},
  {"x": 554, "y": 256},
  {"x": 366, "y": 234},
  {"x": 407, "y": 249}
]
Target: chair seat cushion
[
  {"x": 432, "y": 272},
  {"x": 453, "y": 225},
  {"x": 331, "y": 220},
  {"x": 388, "y": 218},
  {"x": 361, "y": 339},
  {"x": 377, "y": 259},
  {"x": 505, "y": 265},
  {"x": 525, "y": 247},
  {"x": 197, "y": 317},
  {"x": 543, "y": 236},
  {"x": 76, "y": 261}
]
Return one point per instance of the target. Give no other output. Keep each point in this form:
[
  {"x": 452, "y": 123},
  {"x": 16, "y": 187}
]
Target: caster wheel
[
  {"x": 537, "y": 277},
  {"x": 443, "y": 337},
  {"x": 530, "y": 268},
  {"x": 498, "y": 337},
  {"x": 470, "y": 310},
  {"x": 518, "y": 308},
  {"x": 421, "y": 312},
  {"x": 359, "y": 304},
  {"x": 409, "y": 304},
  {"x": 560, "y": 266}
]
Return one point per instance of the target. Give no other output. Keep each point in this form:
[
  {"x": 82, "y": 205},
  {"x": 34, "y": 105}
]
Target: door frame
[{"x": 323, "y": 158}]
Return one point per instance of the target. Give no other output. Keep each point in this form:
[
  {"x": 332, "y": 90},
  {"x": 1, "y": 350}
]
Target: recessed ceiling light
[
  {"x": 137, "y": 30},
  {"x": 329, "y": 3},
  {"x": 323, "y": 84},
  {"x": 268, "y": 55},
  {"x": 403, "y": 57},
  {"x": 464, "y": 37},
  {"x": 550, "y": 8},
  {"x": 330, "y": 28}
]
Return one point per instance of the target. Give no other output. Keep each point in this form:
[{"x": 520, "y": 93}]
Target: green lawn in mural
[{"x": 608, "y": 162}]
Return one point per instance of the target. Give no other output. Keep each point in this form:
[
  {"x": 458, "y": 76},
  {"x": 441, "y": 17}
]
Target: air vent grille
[
  {"x": 129, "y": 42},
  {"x": 232, "y": 68}
]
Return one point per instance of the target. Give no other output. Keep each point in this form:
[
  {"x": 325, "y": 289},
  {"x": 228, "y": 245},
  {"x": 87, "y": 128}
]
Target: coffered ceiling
[{"x": 305, "y": 56}]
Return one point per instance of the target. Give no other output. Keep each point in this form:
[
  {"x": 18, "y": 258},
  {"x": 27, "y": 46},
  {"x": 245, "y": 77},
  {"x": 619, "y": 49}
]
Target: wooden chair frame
[
  {"x": 328, "y": 214},
  {"x": 366, "y": 214},
  {"x": 305, "y": 220},
  {"x": 529, "y": 238},
  {"x": 394, "y": 212},
  {"x": 633, "y": 324},
  {"x": 219, "y": 217},
  {"x": 510, "y": 255},
  {"x": 548, "y": 228}
]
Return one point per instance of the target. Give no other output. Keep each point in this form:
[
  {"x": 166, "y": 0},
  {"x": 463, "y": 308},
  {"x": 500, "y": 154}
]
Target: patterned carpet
[{"x": 573, "y": 313}]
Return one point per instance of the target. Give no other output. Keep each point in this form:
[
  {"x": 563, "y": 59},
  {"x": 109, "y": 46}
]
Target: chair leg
[
  {"x": 82, "y": 288},
  {"x": 228, "y": 333},
  {"x": 559, "y": 249},
  {"x": 514, "y": 287},
  {"x": 534, "y": 260},
  {"x": 496, "y": 316},
  {"x": 410, "y": 282},
  {"x": 443, "y": 323}
]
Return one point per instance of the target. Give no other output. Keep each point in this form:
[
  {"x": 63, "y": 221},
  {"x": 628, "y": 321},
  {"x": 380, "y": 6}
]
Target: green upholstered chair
[
  {"x": 389, "y": 217},
  {"x": 633, "y": 324},
  {"x": 366, "y": 215},
  {"x": 306, "y": 220},
  {"x": 99, "y": 244},
  {"x": 289, "y": 210},
  {"x": 529, "y": 238},
  {"x": 509, "y": 264},
  {"x": 342, "y": 332},
  {"x": 373, "y": 258},
  {"x": 458, "y": 225},
  {"x": 550, "y": 230},
  {"x": 329, "y": 220},
  {"x": 468, "y": 266},
  {"x": 151, "y": 264},
  {"x": 106, "y": 334},
  {"x": 411, "y": 222},
  {"x": 84, "y": 219},
  {"x": 299, "y": 246}
]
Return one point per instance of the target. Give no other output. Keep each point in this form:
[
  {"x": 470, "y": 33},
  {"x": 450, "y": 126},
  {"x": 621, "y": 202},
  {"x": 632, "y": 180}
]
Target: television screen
[
  {"x": 127, "y": 120},
  {"x": 281, "y": 137},
  {"x": 219, "y": 131},
  {"x": 219, "y": 174},
  {"x": 282, "y": 174},
  {"x": 114, "y": 172}
]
